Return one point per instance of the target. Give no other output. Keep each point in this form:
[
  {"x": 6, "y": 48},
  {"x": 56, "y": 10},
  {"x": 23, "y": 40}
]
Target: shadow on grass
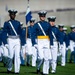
[
  {"x": 36, "y": 73},
  {"x": 6, "y": 73}
]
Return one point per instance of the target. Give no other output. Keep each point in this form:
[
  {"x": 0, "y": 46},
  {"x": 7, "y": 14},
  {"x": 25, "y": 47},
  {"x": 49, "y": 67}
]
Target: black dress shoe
[
  {"x": 17, "y": 73},
  {"x": 4, "y": 64},
  {"x": 70, "y": 61},
  {"x": 28, "y": 64},
  {"x": 45, "y": 74},
  {"x": 38, "y": 72},
  {"x": 8, "y": 71}
]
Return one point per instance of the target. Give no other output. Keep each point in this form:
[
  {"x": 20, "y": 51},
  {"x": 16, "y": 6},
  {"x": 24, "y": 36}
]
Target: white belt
[
  {"x": 54, "y": 40},
  {"x": 13, "y": 37}
]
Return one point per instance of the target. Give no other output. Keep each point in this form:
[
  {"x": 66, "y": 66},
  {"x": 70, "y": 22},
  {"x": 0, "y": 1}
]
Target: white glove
[
  {"x": 67, "y": 48},
  {"x": 61, "y": 46},
  {"x": 6, "y": 45},
  {"x": 51, "y": 47},
  {"x": 25, "y": 45}
]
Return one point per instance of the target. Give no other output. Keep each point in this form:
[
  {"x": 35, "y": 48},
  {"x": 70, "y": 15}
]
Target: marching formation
[{"x": 41, "y": 43}]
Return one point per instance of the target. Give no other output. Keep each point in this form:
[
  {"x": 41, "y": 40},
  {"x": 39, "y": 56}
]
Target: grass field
[{"x": 69, "y": 69}]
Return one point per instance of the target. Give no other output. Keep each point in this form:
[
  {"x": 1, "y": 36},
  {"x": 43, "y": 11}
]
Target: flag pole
[
  {"x": 26, "y": 31},
  {"x": 27, "y": 20},
  {"x": 26, "y": 40},
  {"x": 27, "y": 23}
]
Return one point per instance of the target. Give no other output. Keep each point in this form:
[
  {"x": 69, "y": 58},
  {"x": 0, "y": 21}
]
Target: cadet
[
  {"x": 42, "y": 30},
  {"x": 56, "y": 37},
  {"x": 23, "y": 45},
  {"x": 72, "y": 43},
  {"x": 65, "y": 44},
  {"x": 3, "y": 49},
  {"x": 12, "y": 27},
  {"x": 30, "y": 50}
]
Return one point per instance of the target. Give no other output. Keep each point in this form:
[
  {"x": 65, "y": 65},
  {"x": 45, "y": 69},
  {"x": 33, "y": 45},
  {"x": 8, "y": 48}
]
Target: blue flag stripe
[{"x": 28, "y": 17}]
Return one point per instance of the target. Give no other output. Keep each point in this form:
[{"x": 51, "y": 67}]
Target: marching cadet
[
  {"x": 23, "y": 44},
  {"x": 71, "y": 36},
  {"x": 56, "y": 37},
  {"x": 3, "y": 49},
  {"x": 67, "y": 42},
  {"x": 31, "y": 51},
  {"x": 12, "y": 27},
  {"x": 42, "y": 30},
  {"x": 65, "y": 45}
]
